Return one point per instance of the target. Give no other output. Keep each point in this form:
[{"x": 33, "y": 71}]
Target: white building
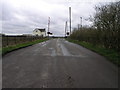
[{"x": 39, "y": 32}]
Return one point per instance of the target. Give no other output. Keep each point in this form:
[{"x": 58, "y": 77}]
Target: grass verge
[
  {"x": 110, "y": 54},
  {"x": 5, "y": 50}
]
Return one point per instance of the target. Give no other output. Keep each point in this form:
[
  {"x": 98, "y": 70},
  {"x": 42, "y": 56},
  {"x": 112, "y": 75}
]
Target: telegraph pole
[
  {"x": 78, "y": 26},
  {"x": 70, "y": 18},
  {"x": 48, "y": 25},
  {"x": 81, "y": 22},
  {"x": 65, "y": 28}
]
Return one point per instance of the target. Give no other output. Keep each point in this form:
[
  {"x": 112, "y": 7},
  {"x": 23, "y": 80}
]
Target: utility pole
[
  {"x": 70, "y": 18},
  {"x": 45, "y": 32},
  {"x": 81, "y": 22},
  {"x": 78, "y": 26},
  {"x": 65, "y": 28},
  {"x": 48, "y": 25}
]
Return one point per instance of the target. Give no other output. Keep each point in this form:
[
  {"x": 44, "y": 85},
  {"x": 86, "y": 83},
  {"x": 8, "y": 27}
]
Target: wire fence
[{"x": 14, "y": 40}]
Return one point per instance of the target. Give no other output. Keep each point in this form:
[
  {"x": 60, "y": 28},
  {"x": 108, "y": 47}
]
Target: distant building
[{"x": 39, "y": 32}]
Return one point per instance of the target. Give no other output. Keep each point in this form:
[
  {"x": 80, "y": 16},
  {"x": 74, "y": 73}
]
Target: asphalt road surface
[{"x": 57, "y": 63}]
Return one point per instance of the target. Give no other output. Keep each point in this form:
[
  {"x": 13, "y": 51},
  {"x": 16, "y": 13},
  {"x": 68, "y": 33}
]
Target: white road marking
[
  {"x": 60, "y": 49},
  {"x": 53, "y": 52},
  {"x": 44, "y": 45},
  {"x": 65, "y": 51}
]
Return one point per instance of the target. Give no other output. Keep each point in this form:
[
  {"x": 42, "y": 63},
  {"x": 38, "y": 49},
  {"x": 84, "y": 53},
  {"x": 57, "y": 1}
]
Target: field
[
  {"x": 14, "y": 40},
  {"x": 10, "y": 43}
]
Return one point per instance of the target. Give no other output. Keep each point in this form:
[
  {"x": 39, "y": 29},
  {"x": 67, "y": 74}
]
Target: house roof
[{"x": 42, "y": 30}]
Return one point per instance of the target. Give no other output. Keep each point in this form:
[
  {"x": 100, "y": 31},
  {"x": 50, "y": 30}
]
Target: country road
[{"x": 57, "y": 63}]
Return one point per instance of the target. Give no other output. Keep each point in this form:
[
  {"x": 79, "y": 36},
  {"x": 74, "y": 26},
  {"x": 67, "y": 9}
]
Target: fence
[{"x": 13, "y": 40}]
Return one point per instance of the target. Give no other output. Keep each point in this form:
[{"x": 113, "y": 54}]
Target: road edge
[
  {"x": 24, "y": 46},
  {"x": 107, "y": 57}
]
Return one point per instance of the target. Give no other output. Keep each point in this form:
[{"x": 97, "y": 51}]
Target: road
[{"x": 57, "y": 63}]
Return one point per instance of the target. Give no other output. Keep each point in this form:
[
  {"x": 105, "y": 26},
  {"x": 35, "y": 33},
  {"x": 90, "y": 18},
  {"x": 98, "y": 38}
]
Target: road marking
[
  {"x": 60, "y": 50},
  {"x": 53, "y": 52},
  {"x": 44, "y": 45},
  {"x": 65, "y": 51}
]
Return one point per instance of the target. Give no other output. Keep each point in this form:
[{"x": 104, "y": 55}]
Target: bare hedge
[{"x": 106, "y": 28}]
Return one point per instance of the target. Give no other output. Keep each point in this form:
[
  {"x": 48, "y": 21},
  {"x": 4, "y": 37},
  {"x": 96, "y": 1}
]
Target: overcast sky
[{"x": 23, "y": 16}]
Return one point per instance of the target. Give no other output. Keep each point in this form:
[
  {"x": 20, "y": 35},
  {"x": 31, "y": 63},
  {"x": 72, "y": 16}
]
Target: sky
[{"x": 23, "y": 16}]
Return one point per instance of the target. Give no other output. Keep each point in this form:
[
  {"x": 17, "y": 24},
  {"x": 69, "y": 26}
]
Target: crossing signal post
[
  {"x": 49, "y": 33},
  {"x": 68, "y": 33}
]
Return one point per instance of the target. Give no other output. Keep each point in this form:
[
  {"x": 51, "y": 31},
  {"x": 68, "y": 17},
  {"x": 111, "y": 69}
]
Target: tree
[{"x": 107, "y": 20}]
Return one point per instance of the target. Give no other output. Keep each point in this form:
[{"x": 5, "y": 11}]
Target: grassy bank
[
  {"x": 18, "y": 46},
  {"x": 110, "y": 54}
]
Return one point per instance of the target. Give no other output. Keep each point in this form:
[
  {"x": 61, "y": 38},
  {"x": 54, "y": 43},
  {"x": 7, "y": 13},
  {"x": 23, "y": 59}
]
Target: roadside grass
[
  {"x": 5, "y": 50},
  {"x": 110, "y": 54}
]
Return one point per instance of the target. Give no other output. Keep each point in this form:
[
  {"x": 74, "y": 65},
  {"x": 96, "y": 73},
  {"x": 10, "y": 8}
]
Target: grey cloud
[{"x": 26, "y": 17}]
